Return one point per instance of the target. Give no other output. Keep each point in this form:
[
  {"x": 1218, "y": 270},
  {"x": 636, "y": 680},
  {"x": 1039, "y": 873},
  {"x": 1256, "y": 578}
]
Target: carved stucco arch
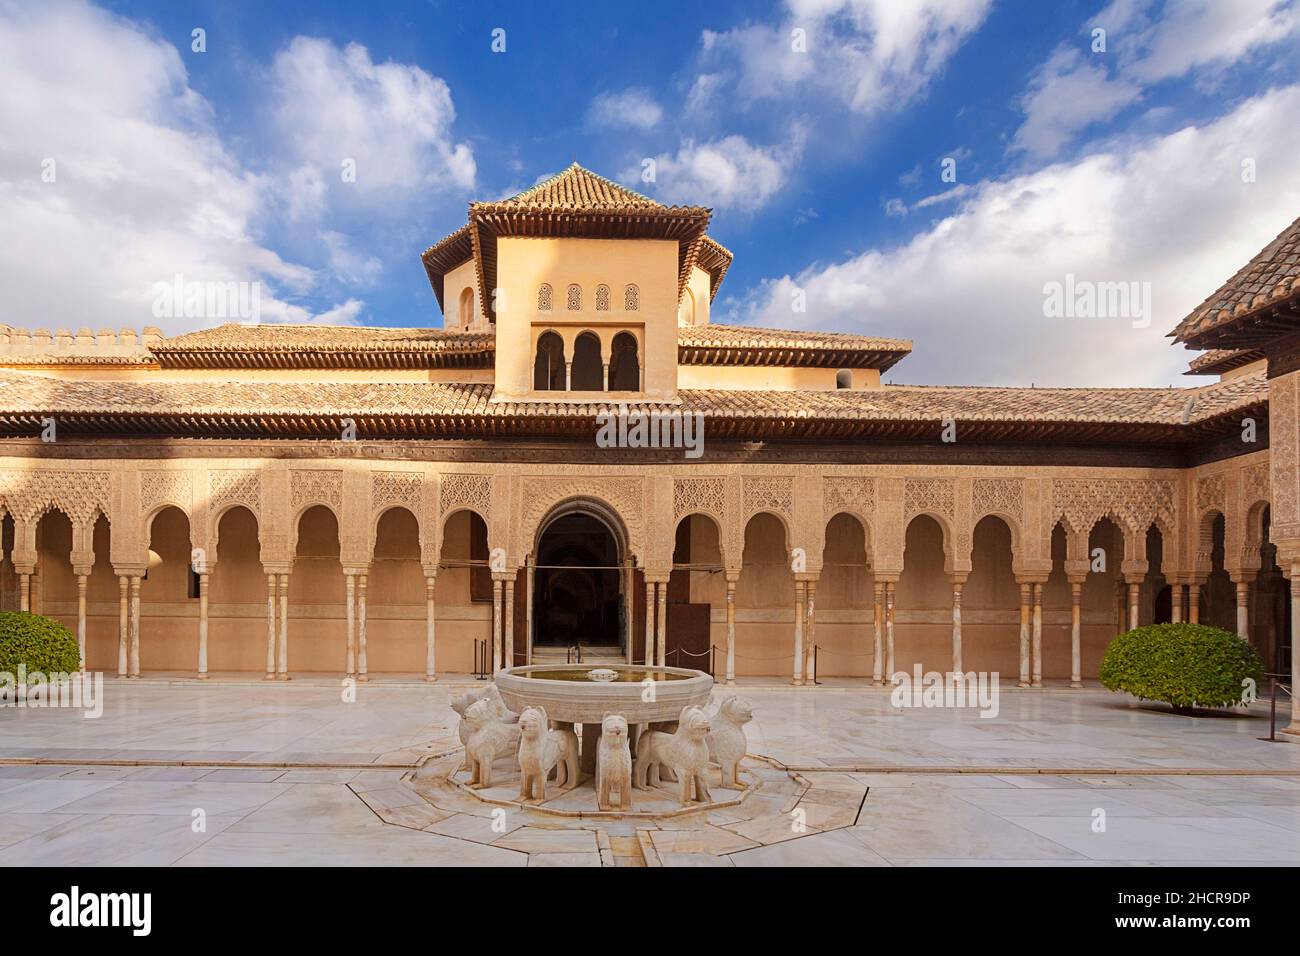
[
  {"x": 864, "y": 523},
  {"x": 601, "y": 510},
  {"x": 718, "y": 526}
]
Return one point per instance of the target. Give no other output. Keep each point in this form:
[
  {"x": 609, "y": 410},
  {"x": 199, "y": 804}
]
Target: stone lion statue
[
  {"x": 686, "y": 752},
  {"x": 727, "y": 737},
  {"x": 613, "y": 764},
  {"x": 490, "y": 737},
  {"x": 468, "y": 699},
  {"x": 541, "y": 750}
]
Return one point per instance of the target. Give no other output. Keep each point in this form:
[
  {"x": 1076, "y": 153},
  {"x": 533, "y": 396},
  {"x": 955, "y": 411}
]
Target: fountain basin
[{"x": 570, "y": 696}]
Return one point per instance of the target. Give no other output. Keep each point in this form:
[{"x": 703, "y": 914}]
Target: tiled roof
[
  {"x": 577, "y": 188},
  {"x": 1272, "y": 277},
  {"x": 348, "y": 338},
  {"x": 1218, "y": 361},
  {"x": 756, "y": 337},
  {"x": 429, "y": 408}
]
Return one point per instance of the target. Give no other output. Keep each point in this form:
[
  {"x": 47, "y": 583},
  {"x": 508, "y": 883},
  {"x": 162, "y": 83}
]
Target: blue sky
[{"x": 823, "y": 163}]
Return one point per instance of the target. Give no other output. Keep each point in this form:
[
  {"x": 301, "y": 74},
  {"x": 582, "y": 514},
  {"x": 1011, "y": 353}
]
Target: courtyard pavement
[{"x": 236, "y": 771}]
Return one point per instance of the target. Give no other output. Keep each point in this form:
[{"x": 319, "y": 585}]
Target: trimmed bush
[
  {"x": 1186, "y": 665},
  {"x": 39, "y": 643}
]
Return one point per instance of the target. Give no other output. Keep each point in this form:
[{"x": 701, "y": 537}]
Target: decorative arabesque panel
[
  {"x": 231, "y": 486},
  {"x": 1211, "y": 493},
  {"x": 856, "y": 495},
  {"x": 540, "y": 495},
  {"x": 929, "y": 496},
  {"x": 708, "y": 495},
  {"x": 78, "y": 494},
  {"x": 465, "y": 491},
  {"x": 769, "y": 494},
  {"x": 1135, "y": 502},
  {"x": 998, "y": 496},
  {"x": 393, "y": 488},
  {"x": 166, "y": 487},
  {"x": 316, "y": 486}
]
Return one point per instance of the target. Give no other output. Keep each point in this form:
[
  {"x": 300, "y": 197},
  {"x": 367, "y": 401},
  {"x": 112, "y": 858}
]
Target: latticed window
[
  {"x": 575, "y": 298},
  {"x": 602, "y": 298},
  {"x": 544, "y": 298},
  {"x": 631, "y": 299}
]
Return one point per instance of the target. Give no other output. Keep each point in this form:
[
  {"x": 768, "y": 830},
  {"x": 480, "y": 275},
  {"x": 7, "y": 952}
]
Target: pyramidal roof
[{"x": 578, "y": 188}]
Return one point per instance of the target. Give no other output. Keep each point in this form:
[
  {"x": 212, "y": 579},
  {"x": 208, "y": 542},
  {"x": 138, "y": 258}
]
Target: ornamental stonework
[
  {"x": 708, "y": 495},
  {"x": 1136, "y": 503},
  {"x": 166, "y": 487},
  {"x": 229, "y": 486},
  {"x": 855, "y": 495},
  {"x": 540, "y": 495},
  {"x": 1211, "y": 493},
  {"x": 316, "y": 487},
  {"x": 393, "y": 488},
  {"x": 929, "y": 496},
  {"x": 1284, "y": 430},
  {"x": 466, "y": 491},
  {"x": 1254, "y": 483},
  {"x": 773, "y": 494},
  {"x": 998, "y": 496},
  {"x": 78, "y": 494}
]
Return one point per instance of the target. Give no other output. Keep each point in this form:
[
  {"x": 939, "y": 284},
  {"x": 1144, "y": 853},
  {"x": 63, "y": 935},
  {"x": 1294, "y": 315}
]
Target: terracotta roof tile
[
  {"x": 1271, "y": 277},
  {"x": 1217, "y": 361},
  {"x": 577, "y": 188}
]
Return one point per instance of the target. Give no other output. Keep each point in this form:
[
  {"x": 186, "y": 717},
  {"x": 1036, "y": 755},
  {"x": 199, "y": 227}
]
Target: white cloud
[
  {"x": 393, "y": 122},
  {"x": 1067, "y": 94},
  {"x": 144, "y": 189},
  {"x": 730, "y": 173},
  {"x": 1171, "y": 210},
  {"x": 628, "y": 109},
  {"x": 869, "y": 55},
  {"x": 1146, "y": 42}
]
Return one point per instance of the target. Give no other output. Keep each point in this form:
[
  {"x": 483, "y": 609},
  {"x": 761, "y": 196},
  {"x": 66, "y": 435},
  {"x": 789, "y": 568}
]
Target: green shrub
[
  {"x": 1186, "y": 665},
  {"x": 39, "y": 643}
]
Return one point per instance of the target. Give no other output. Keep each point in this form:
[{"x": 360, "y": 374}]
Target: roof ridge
[{"x": 572, "y": 170}]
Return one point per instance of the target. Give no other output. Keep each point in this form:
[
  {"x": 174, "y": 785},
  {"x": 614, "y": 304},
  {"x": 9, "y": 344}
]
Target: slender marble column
[
  {"x": 731, "y": 631},
  {"x": 282, "y": 670},
  {"x": 430, "y": 668},
  {"x": 1076, "y": 634},
  {"x": 663, "y": 624},
  {"x": 798, "y": 632},
  {"x": 1038, "y": 635},
  {"x": 1194, "y": 603},
  {"x": 362, "y": 673},
  {"x": 956, "y": 628},
  {"x": 508, "y": 626},
  {"x": 203, "y": 625},
  {"x": 123, "y": 622},
  {"x": 810, "y": 634},
  {"x": 1294, "y": 728},
  {"x": 889, "y": 630},
  {"x": 1133, "y": 593},
  {"x": 1176, "y": 603},
  {"x": 1243, "y": 610},
  {"x": 134, "y": 647},
  {"x": 649, "y": 623},
  {"x": 270, "y": 626},
  {"x": 496, "y": 625},
  {"x": 878, "y": 634},
  {"x": 24, "y": 591},
  {"x": 1025, "y": 590},
  {"x": 82, "y": 579},
  {"x": 350, "y": 586}
]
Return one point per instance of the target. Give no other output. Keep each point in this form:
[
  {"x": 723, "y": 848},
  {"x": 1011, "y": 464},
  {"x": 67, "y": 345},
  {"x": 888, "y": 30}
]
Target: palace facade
[{"x": 290, "y": 499}]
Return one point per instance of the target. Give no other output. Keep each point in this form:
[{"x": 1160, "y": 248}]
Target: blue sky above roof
[{"x": 822, "y": 153}]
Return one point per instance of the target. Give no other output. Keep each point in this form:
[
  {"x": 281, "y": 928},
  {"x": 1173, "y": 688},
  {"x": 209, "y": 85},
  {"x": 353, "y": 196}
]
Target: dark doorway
[{"x": 576, "y": 598}]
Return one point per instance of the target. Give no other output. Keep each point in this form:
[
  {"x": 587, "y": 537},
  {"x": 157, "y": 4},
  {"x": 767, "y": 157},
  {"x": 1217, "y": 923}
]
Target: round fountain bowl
[{"x": 570, "y": 694}]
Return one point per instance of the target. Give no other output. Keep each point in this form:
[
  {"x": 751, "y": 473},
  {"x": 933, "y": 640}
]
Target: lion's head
[
  {"x": 614, "y": 726},
  {"x": 532, "y": 722},
  {"x": 694, "y": 723},
  {"x": 737, "y": 710}
]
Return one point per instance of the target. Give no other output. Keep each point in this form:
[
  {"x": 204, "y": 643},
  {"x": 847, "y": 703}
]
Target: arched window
[
  {"x": 631, "y": 299},
  {"x": 686, "y": 311},
  {"x": 602, "y": 298},
  {"x": 588, "y": 375},
  {"x": 844, "y": 378},
  {"x": 466, "y": 307},
  {"x": 548, "y": 368},
  {"x": 624, "y": 369},
  {"x": 544, "y": 298},
  {"x": 575, "y": 298}
]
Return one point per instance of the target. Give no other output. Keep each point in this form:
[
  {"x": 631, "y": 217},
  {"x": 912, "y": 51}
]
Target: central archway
[{"x": 579, "y": 585}]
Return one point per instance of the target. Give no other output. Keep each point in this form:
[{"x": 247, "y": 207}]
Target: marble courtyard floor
[{"x": 288, "y": 774}]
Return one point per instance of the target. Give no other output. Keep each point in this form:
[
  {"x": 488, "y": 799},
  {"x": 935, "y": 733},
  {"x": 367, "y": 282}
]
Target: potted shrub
[
  {"x": 1184, "y": 665},
  {"x": 34, "y": 645}
]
